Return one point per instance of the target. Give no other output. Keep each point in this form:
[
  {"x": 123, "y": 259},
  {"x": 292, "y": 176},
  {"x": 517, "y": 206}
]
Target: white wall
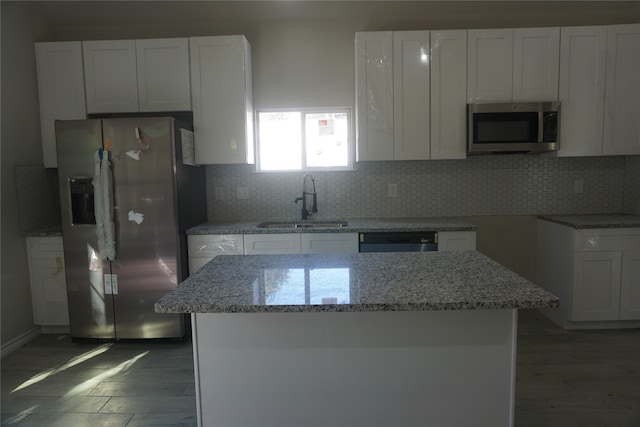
[
  {"x": 22, "y": 25},
  {"x": 303, "y": 55}
]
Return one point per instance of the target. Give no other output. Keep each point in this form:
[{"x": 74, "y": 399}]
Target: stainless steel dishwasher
[{"x": 412, "y": 241}]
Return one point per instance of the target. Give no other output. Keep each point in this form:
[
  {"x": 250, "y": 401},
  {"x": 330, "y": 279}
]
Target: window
[{"x": 309, "y": 139}]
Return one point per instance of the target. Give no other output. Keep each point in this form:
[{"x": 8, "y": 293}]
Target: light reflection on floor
[{"x": 54, "y": 382}]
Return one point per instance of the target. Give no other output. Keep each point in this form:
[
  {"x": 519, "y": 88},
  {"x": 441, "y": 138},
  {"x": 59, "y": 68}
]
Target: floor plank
[{"x": 564, "y": 378}]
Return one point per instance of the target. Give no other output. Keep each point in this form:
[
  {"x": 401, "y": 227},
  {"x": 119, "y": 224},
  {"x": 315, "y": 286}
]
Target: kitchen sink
[{"x": 303, "y": 224}]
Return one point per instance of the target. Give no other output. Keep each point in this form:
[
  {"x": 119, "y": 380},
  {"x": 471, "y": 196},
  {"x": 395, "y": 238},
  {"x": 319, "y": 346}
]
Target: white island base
[{"x": 368, "y": 369}]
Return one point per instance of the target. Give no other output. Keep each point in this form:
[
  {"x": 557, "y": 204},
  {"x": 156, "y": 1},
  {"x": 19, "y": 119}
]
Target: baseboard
[{"x": 19, "y": 341}]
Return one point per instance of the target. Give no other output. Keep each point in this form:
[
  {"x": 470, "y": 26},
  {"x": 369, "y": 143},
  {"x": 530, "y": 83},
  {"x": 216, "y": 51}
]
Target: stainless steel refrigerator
[{"x": 128, "y": 192}]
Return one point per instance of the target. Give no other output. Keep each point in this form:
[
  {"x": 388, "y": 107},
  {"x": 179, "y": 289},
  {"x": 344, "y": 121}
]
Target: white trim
[
  {"x": 19, "y": 341},
  {"x": 196, "y": 367}
]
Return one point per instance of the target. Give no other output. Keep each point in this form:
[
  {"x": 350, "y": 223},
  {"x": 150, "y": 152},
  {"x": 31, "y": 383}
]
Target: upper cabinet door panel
[
  {"x": 448, "y": 94},
  {"x": 222, "y": 99},
  {"x": 581, "y": 90},
  {"x": 60, "y": 90},
  {"x": 622, "y": 99},
  {"x": 374, "y": 96},
  {"x": 536, "y": 55},
  {"x": 411, "y": 95},
  {"x": 490, "y": 65},
  {"x": 163, "y": 74},
  {"x": 110, "y": 76}
]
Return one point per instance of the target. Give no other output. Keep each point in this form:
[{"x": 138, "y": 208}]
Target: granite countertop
[
  {"x": 595, "y": 221},
  {"x": 354, "y": 226},
  {"x": 400, "y": 281},
  {"x": 54, "y": 231}
]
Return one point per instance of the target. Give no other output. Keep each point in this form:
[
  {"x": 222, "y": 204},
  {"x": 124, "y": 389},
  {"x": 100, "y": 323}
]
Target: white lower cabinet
[
  {"x": 594, "y": 272},
  {"x": 295, "y": 243},
  {"x": 264, "y": 244},
  {"x": 322, "y": 243},
  {"x": 456, "y": 241},
  {"x": 48, "y": 281},
  {"x": 596, "y": 291},
  {"x": 630, "y": 286},
  {"x": 203, "y": 248}
]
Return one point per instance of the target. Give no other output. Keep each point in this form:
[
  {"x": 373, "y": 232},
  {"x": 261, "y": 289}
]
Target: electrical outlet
[
  {"x": 392, "y": 190},
  {"x": 242, "y": 193},
  {"x": 219, "y": 193},
  {"x": 578, "y": 186}
]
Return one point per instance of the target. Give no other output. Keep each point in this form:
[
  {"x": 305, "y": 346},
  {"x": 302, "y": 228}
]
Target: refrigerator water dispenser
[{"x": 82, "y": 211}]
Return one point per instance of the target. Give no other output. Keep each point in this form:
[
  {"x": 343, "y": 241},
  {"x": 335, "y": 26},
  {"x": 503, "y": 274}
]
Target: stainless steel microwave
[{"x": 523, "y": 127}]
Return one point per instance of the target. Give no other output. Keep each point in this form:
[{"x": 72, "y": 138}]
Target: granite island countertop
[
  {"x": 594, "y": 221},
  {"x": 355, "y": 225},
  {"x": 400, "y": 281}
]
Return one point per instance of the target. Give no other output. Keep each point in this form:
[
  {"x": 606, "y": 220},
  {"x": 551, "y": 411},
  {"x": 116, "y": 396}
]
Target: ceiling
[{"x": 83, "y": 13}]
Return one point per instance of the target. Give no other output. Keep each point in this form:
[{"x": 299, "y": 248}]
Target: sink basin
[{"x": 303, "y": 224}]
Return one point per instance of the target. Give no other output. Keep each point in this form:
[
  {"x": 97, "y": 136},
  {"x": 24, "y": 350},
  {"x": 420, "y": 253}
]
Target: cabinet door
[
  {"x": 490, "y": 65},
  {"x": 264, "y": 244},
  {"x": 596, "y": 286},
  {"x": 60, "y": 90},
  {"x": 536, "y": 55},
  {"x": 163, "y": 74},
  {"x": 622, "y": 99},
  {"x": 630, "y": 286},
  {"x": 322, "y": 243},
  {"x": 203, "y": 248},
  {"x": 411, "y": 102},
  {"x": 221, "y": 95},
  {"x": 456, "y": 241},
  {"x": 448, "y": 94},
  {"x": 48, "y": 281},
  {"x": 374, "y": 96},
  {"x": 110, "y": 76},
  {"x": 581, "y": 90}
]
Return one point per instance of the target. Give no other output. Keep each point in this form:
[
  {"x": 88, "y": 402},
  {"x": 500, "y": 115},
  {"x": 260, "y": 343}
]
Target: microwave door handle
[{"x": 540, "y": 126}]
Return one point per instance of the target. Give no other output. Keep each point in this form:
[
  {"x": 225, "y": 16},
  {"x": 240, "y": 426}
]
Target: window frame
[{"x": 303, "y": 114}]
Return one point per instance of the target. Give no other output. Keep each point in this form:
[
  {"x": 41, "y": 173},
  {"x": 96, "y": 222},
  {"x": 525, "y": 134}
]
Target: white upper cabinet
[
  {"x": 110, "y": 76},
  {"x": 124, "y": 76},
  {"x": 163, "y": 74},
  {"x": 411, "y": 102},
  {"x": 411, "y": 95},
  {"x": 60, "y": 91},
  {"x": 622, "y": 94},
  {"x": 581, "y": 90},
  {"x": 490, "y": 65},
  {"x": 221, "y": 93},
  {"x": 506, "y": 65},
  {"x": 536, "y": 60},
  {"x": 374, "y": 96},
  {"x": 448, "y": 94}
]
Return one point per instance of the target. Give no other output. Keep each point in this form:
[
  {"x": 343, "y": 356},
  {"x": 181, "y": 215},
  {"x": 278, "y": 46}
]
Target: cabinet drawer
[
  {"x": 617, "y": 239},
  {"x": 208, "y": 246},
  {"x": 257, "y": 244},
  {"x": 456, "y": 241},
  {"x": 45, "y": 247},
  {"x": 322, "y": 243}
]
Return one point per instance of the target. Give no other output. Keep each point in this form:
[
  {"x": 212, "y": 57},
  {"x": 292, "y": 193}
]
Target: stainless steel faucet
[{"x": 314, "y": 197}]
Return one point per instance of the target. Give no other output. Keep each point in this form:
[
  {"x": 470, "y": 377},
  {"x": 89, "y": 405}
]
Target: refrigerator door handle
[{"x": 104, "y": 206}]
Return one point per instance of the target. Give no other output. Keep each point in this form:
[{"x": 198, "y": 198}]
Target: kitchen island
[{"x": 386, "y": 339}]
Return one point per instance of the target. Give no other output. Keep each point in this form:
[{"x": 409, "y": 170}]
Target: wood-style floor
[{"x": 564, "y": 379}]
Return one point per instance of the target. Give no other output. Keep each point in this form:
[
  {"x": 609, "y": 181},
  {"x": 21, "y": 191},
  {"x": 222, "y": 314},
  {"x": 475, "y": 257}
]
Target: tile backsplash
[
  {"x": 632, "y": 185},
  {"x": 479, "y": 185}
]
